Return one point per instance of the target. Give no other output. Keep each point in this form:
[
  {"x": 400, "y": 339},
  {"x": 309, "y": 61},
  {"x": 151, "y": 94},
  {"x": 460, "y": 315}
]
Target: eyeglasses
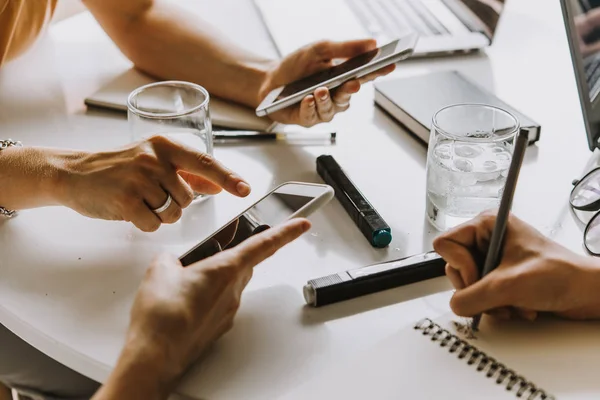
[{"x": 585, "y": 196}]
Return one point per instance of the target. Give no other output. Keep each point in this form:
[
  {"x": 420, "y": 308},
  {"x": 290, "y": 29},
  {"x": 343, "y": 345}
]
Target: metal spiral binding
[{"x": 492, "y": 368}]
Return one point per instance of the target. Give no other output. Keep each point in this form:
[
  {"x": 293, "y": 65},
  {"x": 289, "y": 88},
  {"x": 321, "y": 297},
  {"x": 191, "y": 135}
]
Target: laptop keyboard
[
  {"x": 592, "y": 74},
  {"x": 395, "y": 18}
]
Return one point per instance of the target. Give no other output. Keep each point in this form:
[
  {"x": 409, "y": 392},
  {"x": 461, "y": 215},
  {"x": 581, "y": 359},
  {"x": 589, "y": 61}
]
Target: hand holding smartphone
[
  {"x": 287, "y": 201},
  {"x": 354, "y": 68}
]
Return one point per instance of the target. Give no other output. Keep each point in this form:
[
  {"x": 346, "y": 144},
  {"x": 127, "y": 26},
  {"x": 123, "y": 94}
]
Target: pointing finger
[
  {"x": 197, "y": 163},
  {"x": 330, "y": 50},
  {"x": 263, "y": 245}
]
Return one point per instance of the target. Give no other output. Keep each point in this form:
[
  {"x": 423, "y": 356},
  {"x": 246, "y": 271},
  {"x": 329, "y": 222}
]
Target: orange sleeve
[{"x": 21, "y": 21}]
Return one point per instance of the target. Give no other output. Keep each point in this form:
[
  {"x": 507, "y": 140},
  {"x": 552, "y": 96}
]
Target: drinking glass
[
  {"x": 178, "y": 110},
  {"x": 470, "y": 150}
]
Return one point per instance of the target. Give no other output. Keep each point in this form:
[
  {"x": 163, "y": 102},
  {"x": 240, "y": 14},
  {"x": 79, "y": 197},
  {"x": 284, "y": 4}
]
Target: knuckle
[
  {"x": 205, "y": 160},
  {"x": 487, "y": 218},
  {"x": 186, "y": 198},
  {"x": 172, "y": 215},
  {"x": 239, "y": 260},
  {"x": 129, "y": 200},
  {"x": 322, "y": 48},
  {"x": 235, "y": 305},
  {"x": 132, "y": 194},
  {"x": 153, "y": 226},
  {"x": 145, "y": 159},
  {"x": 148, "y": 226},
  {"x": 310, "y": 121},
  {"x": 213, "y": 273},
  {"x": 271, "y": 241},
  {"x": 225, "y": 270},
  {"x": 177, "y": 213},
  {"x": 228, "y": 326},
  {"x": 305, "y": 123},
  {"x": 230, "y": 177}
]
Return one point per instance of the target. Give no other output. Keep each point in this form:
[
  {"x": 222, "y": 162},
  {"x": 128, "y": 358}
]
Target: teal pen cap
[{"x": 382, "y": 238}]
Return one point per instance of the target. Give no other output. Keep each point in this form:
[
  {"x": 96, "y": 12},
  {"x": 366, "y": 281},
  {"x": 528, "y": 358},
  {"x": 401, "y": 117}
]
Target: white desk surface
[{"x": 67, "y": 283}]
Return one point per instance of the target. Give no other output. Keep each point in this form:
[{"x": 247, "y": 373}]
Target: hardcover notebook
[
  {"x": 545, "y": 359},
  {"x": 413, "y": 101},
  {"x": 224, "y": 114}
]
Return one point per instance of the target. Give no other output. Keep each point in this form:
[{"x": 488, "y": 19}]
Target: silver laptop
[
  {"x": 582, "y": 20},
  {"x": 444, "y": 26}
]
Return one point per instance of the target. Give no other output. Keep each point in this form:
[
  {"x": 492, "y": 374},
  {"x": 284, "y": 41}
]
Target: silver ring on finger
[
  {"x": 341, "y": 105},
  {"x": 165, "y": 206}
]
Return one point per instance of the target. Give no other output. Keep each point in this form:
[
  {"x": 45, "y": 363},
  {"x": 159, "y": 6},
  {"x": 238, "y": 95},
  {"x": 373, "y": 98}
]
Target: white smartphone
[
  {"x": 287, "y": 201},
  {"x": 353, "y": 68}
]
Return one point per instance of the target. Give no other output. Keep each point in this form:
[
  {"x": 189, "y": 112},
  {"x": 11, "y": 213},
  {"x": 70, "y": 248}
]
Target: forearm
[
  {"x": 167, "y": 42},
  {"x": 138, "y": 375},
  {"x": 30, "y": 177}
]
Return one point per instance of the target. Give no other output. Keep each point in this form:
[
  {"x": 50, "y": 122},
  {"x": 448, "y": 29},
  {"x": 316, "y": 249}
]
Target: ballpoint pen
[
  {"x": 494, "y": 253},
  {"x": 234, "y": 135}
]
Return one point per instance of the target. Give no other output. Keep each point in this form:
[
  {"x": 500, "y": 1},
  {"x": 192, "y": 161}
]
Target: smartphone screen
[
  {"x": 270, "y": 211},
  {"x": 372, "y": 56}
]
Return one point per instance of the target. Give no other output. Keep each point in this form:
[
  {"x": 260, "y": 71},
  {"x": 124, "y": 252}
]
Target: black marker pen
[
  {"x": 374, "y": 278},
  {"x": 368, "y": 220}
]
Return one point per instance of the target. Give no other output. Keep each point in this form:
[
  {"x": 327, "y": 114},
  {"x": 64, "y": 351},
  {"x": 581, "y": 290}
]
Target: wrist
[
  {"x": 142, "y": 372},
  {"x": 28, "y": 177},
  {"x": 267, "y": 81},
  {"x": 61, "y": 166},
  {"x": 587, "y": 285}
]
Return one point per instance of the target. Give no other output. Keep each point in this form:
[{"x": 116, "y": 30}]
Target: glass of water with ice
[
  {"x": 175, "y": 109},
  {"x": 470, "y": 150}
]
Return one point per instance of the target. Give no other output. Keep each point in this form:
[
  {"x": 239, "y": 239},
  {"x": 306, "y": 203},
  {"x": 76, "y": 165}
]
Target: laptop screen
[
  {"x": 582, "y": 20},
  {"x": 487, "y": 12}
]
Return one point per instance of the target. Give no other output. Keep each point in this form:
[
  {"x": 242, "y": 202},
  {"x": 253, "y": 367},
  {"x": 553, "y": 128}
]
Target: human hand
[
  {"x": 178, "y": 312},
  {"x": 127, "y": 184},
  {"x": 586, "y": 25},
  {"x": 534, "y": 275},
  {"x": 322, "y": 105}
]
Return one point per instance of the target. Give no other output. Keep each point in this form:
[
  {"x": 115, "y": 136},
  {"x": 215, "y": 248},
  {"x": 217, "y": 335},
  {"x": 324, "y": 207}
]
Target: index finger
[
  {"x": 259, "y": 247},
  {"x": 332, "y": 50},
  {"x": 189, "y": 160}
]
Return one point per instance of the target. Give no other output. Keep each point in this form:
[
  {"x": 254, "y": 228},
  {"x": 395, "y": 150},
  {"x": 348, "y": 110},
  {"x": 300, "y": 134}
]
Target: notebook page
[
  {"x": 407, "y": 365},
  {"x": 562, "y": 357}
]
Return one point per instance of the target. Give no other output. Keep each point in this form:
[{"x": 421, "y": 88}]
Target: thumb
[
  {"x": 476, "y": 299},
  {"x": 331, "y": 50}
]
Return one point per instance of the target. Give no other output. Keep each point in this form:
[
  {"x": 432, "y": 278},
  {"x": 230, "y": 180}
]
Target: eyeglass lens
[
  {"x": 592, "y": 235},
  {"x": 587, "y": 191}
]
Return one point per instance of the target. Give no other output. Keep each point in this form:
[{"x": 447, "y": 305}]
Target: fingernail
[
  {"x": 243, "y": 189},
  {"x": 311, "y": 102},
  {"x": 305, "y": 226},
  {"x": 324, "y": 96}
]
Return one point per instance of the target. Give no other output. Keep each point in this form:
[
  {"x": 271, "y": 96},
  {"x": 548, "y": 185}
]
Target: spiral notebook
[{"x": 546, "y": 359}]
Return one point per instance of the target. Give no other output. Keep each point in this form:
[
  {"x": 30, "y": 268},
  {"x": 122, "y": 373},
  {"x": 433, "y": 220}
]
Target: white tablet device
[{"x": 353, "y": 68}]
